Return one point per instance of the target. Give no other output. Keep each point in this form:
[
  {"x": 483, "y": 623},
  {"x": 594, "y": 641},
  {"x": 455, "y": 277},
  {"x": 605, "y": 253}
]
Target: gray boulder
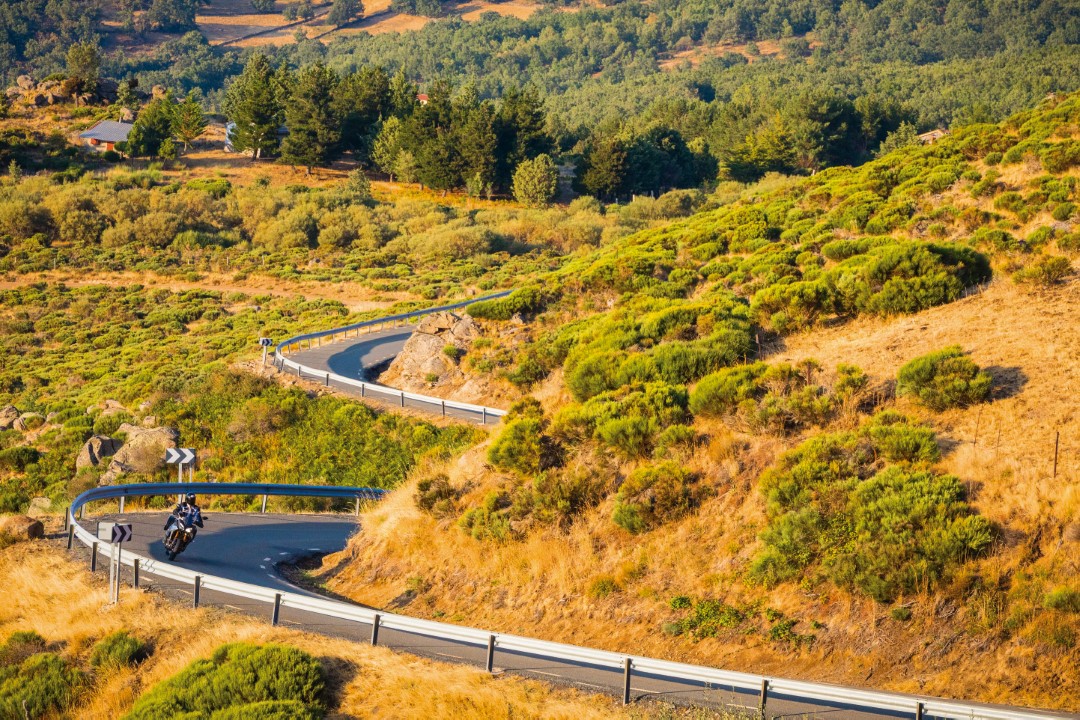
[
  {"x": 28, "y": 421},
  {"x": 96, "y": 449},
  {"x": 25, "y": 82},
  {"x": 143, "y": 452},
  {"x": 8, "y": 415}
]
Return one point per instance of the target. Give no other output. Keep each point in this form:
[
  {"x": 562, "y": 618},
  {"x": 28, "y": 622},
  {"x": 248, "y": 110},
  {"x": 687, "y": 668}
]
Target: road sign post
[
  {"x": 265, "y": 344},
  {"x": 116, "y": 534}
]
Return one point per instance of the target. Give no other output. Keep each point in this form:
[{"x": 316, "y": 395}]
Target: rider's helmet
[{"x": 190, "y": 498}]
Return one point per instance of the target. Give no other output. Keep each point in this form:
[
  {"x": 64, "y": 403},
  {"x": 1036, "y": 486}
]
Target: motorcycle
[{"x": 179, "y": 532}]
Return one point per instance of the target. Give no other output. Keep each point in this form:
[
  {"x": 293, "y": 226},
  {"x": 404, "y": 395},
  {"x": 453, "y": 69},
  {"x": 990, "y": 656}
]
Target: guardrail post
[
  {"x": 375, "y": 629},
  {"x": 918, "y": 711},
  {"x": 357, "y": 506},
  {"x": 93, "y": 557},
  {"x": 362, "y": 386},
  {"x": 402, "y": 399},
  {"x": 627, "y": 664},
  {"x": 277, "y": 609},
  {"x": 264, "y": 505},
  {"x": 443, "y": 408},
  {"x": 67, "y": 517},
  {"x": 122, "y": 497},
  {"x": 71, "y": 534},
  {"x": 135, "y": 573},
  {"x": 297, "y": 370},
  {"x": 198, "y": 587},
  {"x": 764, "y": 697},
  {"x": 491, "y": 653},
  {"x": 327, "y": 379},
  {"x": 484, "y": 411}
]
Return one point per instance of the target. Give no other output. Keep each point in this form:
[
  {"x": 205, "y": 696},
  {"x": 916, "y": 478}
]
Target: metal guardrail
[
  {"x": 426, "y": 402},
  {"x": 883, "y": 703}
]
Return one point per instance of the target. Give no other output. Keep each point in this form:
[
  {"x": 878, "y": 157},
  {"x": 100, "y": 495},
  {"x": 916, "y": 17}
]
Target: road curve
[{"x": 354, "y": 357}]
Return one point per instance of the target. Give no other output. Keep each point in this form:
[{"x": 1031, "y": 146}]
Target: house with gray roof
[{"x": 104, "y": 136}]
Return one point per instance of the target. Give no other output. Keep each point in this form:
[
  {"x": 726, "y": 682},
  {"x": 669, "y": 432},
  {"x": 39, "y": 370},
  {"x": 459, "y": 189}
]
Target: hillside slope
[{"x": 539, "y": 531}]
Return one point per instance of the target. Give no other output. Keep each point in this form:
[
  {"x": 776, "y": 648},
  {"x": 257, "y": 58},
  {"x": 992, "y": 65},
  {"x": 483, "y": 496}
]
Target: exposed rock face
[
  {"x": 423, "y": 355},
  {"x": 25, "y": 82},
  {"x": 8, "y": 415},
  {"x": 143, "y": 452},
  {"x": 21, "y": 527},
  {"x": 96, "y": 449}
]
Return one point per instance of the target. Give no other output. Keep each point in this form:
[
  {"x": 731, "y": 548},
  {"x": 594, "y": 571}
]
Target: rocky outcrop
[
  {"x": 21, "y": 527},
  {"x": 8, "y": 415},
  {"x": 39, "y": 507},
  {"x": 144, "y": 451},
  {"x": 50, "y": 92},
  {"x": 28, "y": 421},
  {"x": 424, "y": 355},
  {"x": 96, "y": 449}
]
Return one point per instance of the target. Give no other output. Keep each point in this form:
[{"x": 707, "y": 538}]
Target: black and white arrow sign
[
  {"x": 184, "y": 456},
  {"x": 265, "y": 342},
  {"x": 121, "y": 533}
]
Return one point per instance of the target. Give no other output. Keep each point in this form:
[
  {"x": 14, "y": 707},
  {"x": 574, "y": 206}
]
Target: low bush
[
  {"x": 837, "y": 509},
  {"x": 944, "y": 379},
  {"x": 525, "y": 301},
  {"x": 1065, "y": 599},
  {"x": 436, "y": 495},
  {"x": 1044, "y": 271},
  {"x": 19, "y": 646},
  {"x": 654, "y": 495},
  {"x": 42, "y": 685},
  {"x": 240, "y": 681},
  {"x": 117, "y": 650}
]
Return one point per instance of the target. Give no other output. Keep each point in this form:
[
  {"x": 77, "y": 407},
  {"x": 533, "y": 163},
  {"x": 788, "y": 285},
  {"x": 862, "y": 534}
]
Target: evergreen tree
[
  {"x": 84, "y": 66},
  {"x": 125, "y": 94},
  {"x": 313, "y": 127},
  {"x": 151, "y": 128},
  {"x": 250, "y": 103},
  {"x": 387, "y": 146},
  {"x": 262, "y": 6},
  {"x": 189, "y": 122},
  {"x": 605, "y": 168},
  {"x": 477, "y": 143},
  {"x": 405, "y": 166},
  {"x": 902, "y": 136},
  {"x": 344, "y": 11},
  {"x": 521, "y": 130},
  {"x": 403, "y": 95},
  {"x": 536, "y": 181},
  {"x": 361, "y": 99}
]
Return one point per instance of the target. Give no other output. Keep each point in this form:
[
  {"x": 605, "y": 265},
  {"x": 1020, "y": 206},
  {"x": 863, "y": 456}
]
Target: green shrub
[
  {"x": 680, "y": 602},
  {"x": 453, "y": 352},
  {"x": 1045, "y": 271},
  {"x": 834, "y": 504},
  {"x": 525, "y": 301},
  {"x": 1064, "y": 211},
  {"x": 489, "y": 521},
  {"x": 20, "y": 646},
  {"x": 1065, "y": 599},
  {"x": 117, "y": 650},
  {"x": 653, "y": 495},
  {"x": 944, "y": 379},
  {"x": 42, "y": 686},
  {"x": 519, "y": 446},
  {"x": 238, "y": 680},
  {"x": 19, "y": 458},
  {"x": 900, "y": 614},
  {"x": 602, "y": 586}
]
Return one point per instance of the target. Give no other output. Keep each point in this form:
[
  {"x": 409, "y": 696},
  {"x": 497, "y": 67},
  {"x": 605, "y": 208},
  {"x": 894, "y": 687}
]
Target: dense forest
[{"x": 843, "y": 77}]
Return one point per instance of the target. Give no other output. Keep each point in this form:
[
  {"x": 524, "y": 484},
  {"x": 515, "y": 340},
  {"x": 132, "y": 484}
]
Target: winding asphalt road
[
  {"x": 249, "y": 548},
  {"x": 351, "y": 358}
]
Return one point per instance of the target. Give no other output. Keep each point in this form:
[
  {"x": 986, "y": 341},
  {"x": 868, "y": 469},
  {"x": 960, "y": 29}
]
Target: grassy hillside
[
  {"x": 719, "y": 464},
  {"x": 82, "y": 669}
]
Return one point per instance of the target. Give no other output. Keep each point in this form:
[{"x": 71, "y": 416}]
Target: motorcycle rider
[{"x": 185, "y": 514}]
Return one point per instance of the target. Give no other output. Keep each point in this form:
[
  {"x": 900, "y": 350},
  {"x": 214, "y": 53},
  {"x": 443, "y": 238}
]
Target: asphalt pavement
[{"x": 353, "y": 357}]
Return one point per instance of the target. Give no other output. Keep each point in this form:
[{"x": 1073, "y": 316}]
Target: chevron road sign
[
  {"x": 121, "y": 533},
  {"x": 265, "y": 342},
  {"x": 184, "y": 456}
]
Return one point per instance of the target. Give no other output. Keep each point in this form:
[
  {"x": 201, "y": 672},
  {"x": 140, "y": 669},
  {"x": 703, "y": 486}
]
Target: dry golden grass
[{"x": 54, "y": 596}]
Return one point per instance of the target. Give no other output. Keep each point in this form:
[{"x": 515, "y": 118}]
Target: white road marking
[
  {"x": 283, "y": 553},
  {"x": 262, "y": 567},
  {"x": 266, "y": 559}
]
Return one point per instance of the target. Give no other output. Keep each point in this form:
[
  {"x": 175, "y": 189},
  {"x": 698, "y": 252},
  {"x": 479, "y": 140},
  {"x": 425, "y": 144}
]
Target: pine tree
[
  {"x": 521, "y": 130},
  {"x": 403, "y": 95},
  {"x": 125, "y": 94},
  {"x": 250, "y": 103},
  {"x": 84, "y": 65},
  {"x": 536, "y": 181},
  {"x": 313, "y": 127},
  {"x": 189, "y": 122},
  {"x": 477, "y": 143},
  {"x": 605, "y": 168},
  {"x": 361, "y": 99},
  {"x": 151, "y": 128},
  {"x": 387, "y": 146}
]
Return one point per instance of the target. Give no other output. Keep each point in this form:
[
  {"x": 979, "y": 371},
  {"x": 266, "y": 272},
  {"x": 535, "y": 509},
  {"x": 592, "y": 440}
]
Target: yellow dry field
[
  {"x": 1003, "y": 450},
  {"x": 48, "y": 593}
]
